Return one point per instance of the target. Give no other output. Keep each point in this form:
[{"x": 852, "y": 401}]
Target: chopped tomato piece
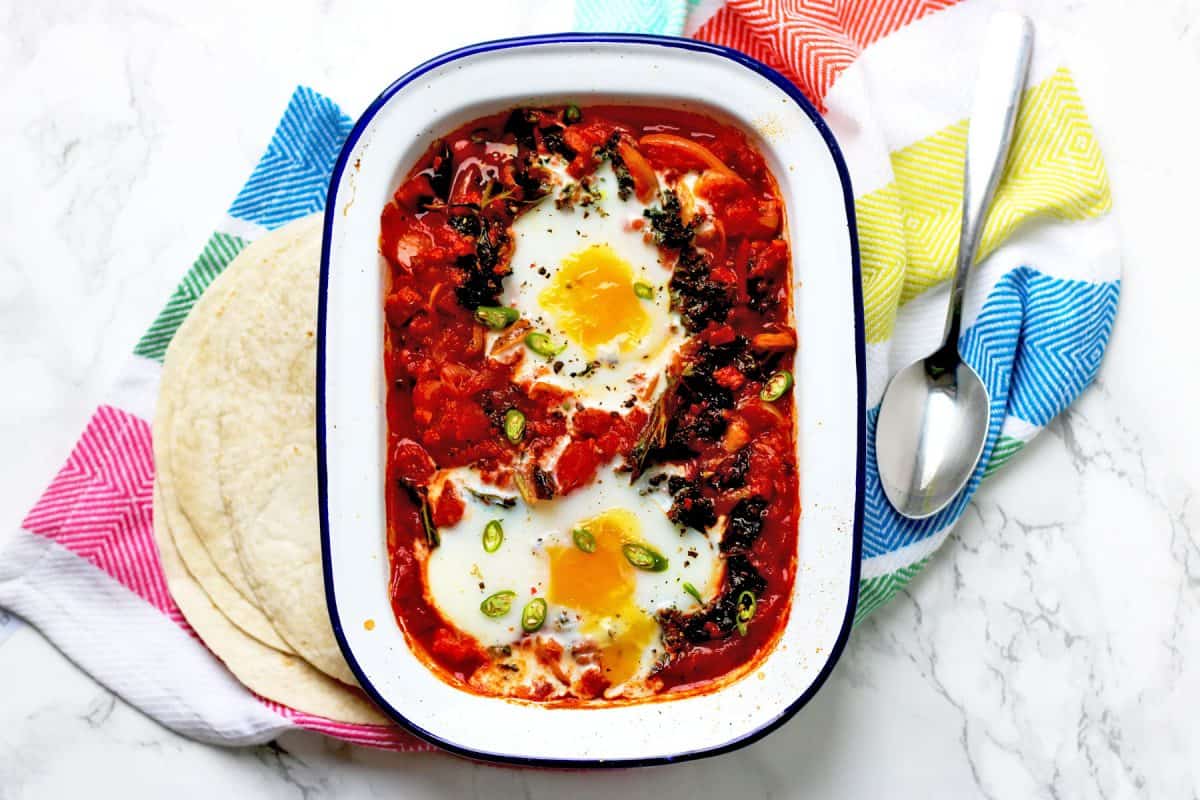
[
  {"x": 768, "y": 218},
  {"x": 460, "y": 422},
  {"x": 414, "y": 193},
  {"x": 592, "y": 422},
  {"x": 550, "y": 425},
  {"x": 740, "y": 217},
  {"x": 766, "y": 466},
  {"x": 401, "y": 305},
  {"x": 584, "y": 139},
  {"x": 760, "y": 416},
  {"x": 592, "y": 683},
  {"x": 426, "y": 399},
  {"x": 719, "y": 334},
  {"x": 730, "y": 377},
  {"x": 613, "y": 442},
  {"x": 449, "y": 507},
  {"x": 458, "y": 380},
  {"x": 723, "y": 274},
  {"x": 746, "y": 216},
  {"x": 770, "y": 259},
  {"x": 576, "y": 466},
  {"x": 721, "y": 188},
  {"x": 411, "y": 463}
]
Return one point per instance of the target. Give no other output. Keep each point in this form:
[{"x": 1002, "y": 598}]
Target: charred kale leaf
[
  {"x": 690, "y": 507},
  {"x": 732, "y": 472},
  {"x": 702, "y": 400},
  {"x": 552, "y": 138},
  {"x": 624, "y": 178},
  {"x": 667, "y": 223},
  {"x": 467, "y": 224},
  {"x": 521, "y": 123},
  {"x": 701, "y": 422},
  {"x": 533, "y": 180},
  {"x": 744, "y": 525},
  {"x": 482, "y": 281},
  {"x": 700, "y": 380},
  {"x": 719, "y": 618},
  {"x": 441, "y": 173},
  {"x": 543, "y": 484},
  {"x": 762, "y": 294},
  {"x": 695, "y": 295},
  {"x": 693, "y": 407}
]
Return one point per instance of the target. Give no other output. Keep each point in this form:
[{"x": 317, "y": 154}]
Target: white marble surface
[{"x": 1052, "y": 650}]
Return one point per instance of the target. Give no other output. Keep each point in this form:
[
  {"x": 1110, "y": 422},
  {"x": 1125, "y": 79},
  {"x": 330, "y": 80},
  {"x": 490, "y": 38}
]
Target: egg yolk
[
  {"x": 601, "y": 582},
  {"x": 593, "y": 301},
  {"x": 600, "y": 586}
]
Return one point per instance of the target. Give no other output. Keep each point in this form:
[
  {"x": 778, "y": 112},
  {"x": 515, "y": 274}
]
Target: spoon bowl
[
  {"x": 933, "y": 421},
  {"x": 941, "y": 418}
]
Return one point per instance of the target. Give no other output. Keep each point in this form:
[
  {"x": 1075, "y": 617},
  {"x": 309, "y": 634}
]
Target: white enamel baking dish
[{"x": 351, "y": 428}]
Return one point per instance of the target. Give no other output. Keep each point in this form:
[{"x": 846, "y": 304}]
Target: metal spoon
[{"x": 933, "y": 421}]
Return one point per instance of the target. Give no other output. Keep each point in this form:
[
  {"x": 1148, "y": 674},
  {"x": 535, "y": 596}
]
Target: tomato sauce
[{"x": 446, "y": 239}]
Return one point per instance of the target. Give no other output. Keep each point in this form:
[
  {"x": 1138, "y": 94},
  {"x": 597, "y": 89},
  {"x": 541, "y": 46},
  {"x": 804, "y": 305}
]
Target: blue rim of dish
[{"x": 860, "y": 358}]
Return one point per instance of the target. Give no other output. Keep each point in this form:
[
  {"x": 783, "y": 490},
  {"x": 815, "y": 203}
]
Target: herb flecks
[
  {"x": 610, "y": 153},
  {"x": 667, "y": 225}
]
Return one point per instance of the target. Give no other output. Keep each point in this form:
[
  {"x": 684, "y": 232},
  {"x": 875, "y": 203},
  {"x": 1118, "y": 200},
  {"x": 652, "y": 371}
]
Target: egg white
[
  {"x": 457, "y": 567},
  {"x": 543, "y": 237}
]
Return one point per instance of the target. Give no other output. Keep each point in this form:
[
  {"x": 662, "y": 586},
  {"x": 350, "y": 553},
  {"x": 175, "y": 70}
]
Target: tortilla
[
  {"x": 266, "y": 448},
  {"x": 199, "y": 397},
  {"x": 283, "y": 560},
  {"x": 265, "y": 671},
  {"x": 235, "y": 606}
]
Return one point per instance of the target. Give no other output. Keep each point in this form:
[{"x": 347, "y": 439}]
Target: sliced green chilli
[
  {"x": 776, "y": 386},
  {"x": 533, "y": 616},
  {"x": 584, "y": 540},
  {"x": 644, "y": 557},
  {"x": 572, "y": 114},
  {"x": 497, "y": 317},
  {"x": 498, "y": 604},
  {"x": 746, "y": 606},
  {"x": 693, "y": 591},
  {"x": 643, "y": 290},
  {"x": 514, "y": 425},
  {"x": 543, "y": 345},
  {"x": 493, "y": 536}
]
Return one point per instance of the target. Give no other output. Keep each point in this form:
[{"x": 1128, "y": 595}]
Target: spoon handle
[{"x": 1003, "y": 68}]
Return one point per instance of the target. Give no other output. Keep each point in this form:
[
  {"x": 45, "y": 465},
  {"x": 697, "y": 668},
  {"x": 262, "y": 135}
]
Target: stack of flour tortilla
[{"x": 235, "y": 500}]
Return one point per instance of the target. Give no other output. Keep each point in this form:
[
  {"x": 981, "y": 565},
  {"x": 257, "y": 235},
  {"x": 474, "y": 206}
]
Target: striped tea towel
[
  {"x": 893, "y": 78},
  {"x": 84, "y": 568}
]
